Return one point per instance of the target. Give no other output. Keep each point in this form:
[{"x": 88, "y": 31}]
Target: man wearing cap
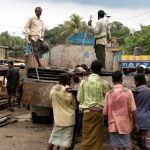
[
  {"x": 142, "y": 69},
  {"x": 102, "y": 36}
]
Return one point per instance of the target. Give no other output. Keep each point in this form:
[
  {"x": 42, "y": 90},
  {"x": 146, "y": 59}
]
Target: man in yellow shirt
[
  {"x": 35, "y": 33},
  {"x": 64, "y": 105}
]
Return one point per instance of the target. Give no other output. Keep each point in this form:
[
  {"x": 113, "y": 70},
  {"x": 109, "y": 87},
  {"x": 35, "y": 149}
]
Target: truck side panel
[{"x": 37, "y": 93}]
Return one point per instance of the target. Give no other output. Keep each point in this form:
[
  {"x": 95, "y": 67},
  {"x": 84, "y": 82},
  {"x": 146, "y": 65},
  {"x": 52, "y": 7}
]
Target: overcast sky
[{"x": 14, "y": 13}]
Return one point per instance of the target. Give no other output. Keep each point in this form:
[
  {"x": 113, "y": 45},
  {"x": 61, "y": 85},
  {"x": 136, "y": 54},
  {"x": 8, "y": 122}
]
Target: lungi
[
  {"x": 141, "y": 141},
  {"x": 62, "y": 136},
  {"x": 39, "y": 47},
  {"x": 120, "y": 140},
  {"x": 92, "y": 131}
]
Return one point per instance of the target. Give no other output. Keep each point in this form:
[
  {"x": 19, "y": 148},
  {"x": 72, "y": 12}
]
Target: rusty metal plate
[{"x": 37, "y": 93}]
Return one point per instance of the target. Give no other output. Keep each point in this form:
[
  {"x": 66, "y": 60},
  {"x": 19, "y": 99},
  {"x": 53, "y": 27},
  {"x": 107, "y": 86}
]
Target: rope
[{"x": 36, "y": 69}]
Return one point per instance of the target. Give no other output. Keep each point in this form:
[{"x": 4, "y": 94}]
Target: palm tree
[{"x": 74, "y": 25}]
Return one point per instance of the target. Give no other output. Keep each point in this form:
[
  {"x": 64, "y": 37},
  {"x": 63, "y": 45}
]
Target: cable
[{"x": 141, "y": 14}]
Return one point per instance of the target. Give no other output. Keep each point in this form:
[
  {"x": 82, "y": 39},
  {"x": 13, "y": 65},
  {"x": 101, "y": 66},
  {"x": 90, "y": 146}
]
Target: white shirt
[
  {"x": 35, "y": 27},
  {"x": 101, "y": 30}
]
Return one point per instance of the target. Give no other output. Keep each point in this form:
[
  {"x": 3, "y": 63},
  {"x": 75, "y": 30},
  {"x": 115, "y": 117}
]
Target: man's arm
[
  {"x": 133, "y": 110},
  {"x": 108, "y": 34},
  {"x": 106, "y": 88},
  {"x": 80, "y": 94},
  {"x": 105, "y": 109},
  {"x": 134, "y": 118},
  {"x": 8, "y": 75},
  {"x": 43, "y": 30},
  {"x": 73, "y": 102},
  {"x": 27, "y": 28},
  {"x": 50, "y": 97}
]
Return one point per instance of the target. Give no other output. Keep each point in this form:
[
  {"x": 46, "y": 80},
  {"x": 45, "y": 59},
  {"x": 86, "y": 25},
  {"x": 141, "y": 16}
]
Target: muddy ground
[{"x": 24, "y": 135}]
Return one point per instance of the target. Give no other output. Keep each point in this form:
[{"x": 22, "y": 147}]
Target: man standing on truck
[
  {"x": 12, "y": 83},
  {"x": 102, "y": 36},
  {"x": 35, "y": 33},
  {"x": 90, "y": 97}
]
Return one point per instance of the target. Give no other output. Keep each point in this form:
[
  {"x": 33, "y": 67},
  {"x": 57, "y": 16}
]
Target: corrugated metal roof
[{"x": 5, "y": 47}]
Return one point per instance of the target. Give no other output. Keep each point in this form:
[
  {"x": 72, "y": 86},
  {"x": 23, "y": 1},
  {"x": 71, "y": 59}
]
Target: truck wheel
[{"x": 35, "y": 118}]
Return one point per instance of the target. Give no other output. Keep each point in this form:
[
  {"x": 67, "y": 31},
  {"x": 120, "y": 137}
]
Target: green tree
[
  {"x": 138, "y": 39},
  {"x": 74, "y": 25},
  {"x": 55, "y": 36},
  {"x": 119, "y": 31},
  {"x": 15, "y": 43},
  {"x": 59, "y": 34}
]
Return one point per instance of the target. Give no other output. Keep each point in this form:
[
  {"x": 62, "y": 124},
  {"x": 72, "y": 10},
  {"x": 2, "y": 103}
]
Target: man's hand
[
  {"x": 90, "y": 23},
  {"x": 29, "y": 37},
  {"x": 109, "y": 41},
  {"x": 135, "y": 128}
]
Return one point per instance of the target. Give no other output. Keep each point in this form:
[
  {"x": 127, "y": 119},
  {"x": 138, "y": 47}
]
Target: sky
[{"x": 14, "y": 13}]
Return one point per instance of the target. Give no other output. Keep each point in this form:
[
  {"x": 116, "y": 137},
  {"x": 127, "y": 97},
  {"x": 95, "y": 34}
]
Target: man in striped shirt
[{"x": 90, "y": 96}]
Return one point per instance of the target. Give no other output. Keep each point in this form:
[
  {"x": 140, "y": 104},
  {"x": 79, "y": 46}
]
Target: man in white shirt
[
  {"x": 102, "y": 36},
  {"x": 35, "y": 33}
]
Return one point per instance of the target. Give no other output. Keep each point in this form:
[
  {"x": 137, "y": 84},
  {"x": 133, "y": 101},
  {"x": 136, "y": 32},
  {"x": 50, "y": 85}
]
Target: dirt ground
[{"x": 24, "y": 135}]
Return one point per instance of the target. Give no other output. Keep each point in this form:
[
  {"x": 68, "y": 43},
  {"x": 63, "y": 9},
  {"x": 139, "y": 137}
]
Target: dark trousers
[{"x": 100, "y": 53}]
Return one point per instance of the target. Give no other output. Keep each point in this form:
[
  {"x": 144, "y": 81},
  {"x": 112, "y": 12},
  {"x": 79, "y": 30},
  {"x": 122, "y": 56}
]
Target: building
[{"x": 4, "y": 52}]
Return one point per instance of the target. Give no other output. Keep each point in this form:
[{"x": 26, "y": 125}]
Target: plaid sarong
[
  {"x": 141, "y": 140},
  {"x": 39, "y": 47},
  {"x": 61, "y": 136}
]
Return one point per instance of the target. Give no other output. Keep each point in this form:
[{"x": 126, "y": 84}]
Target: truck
[
  {"x": 61, "y": 58},
  {"x": 131, "y": 62}
]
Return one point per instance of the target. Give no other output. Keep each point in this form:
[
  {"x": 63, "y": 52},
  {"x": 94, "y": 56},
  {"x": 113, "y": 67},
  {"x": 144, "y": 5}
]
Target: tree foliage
[
  {"x": 74, "y": 25},
  {"x": 119, "y": 31},
  {"x": 59, "y": 34},
  {"x": 15, "y": 43},
  {"x": 55, "y": 36},
  {"x": 138, "y": 39}
]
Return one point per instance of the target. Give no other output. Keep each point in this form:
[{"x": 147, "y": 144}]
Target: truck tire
[{"x": 35, "y": 118}]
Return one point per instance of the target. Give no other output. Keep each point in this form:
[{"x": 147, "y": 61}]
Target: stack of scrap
[
  {"x": 3, "y": 72},
  {"x": 6, "y": 118},
  {"x": 3, "y": 103}
]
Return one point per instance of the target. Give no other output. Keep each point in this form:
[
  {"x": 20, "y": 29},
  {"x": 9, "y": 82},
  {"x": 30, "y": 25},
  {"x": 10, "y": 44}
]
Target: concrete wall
[{"x": 69, "y": 56}]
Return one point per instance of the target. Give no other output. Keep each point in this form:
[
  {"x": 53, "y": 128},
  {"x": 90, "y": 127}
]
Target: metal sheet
[{"x": 37, "y": 93}]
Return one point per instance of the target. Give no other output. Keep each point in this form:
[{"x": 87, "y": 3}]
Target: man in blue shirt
[{"x": 142, "y": 100}]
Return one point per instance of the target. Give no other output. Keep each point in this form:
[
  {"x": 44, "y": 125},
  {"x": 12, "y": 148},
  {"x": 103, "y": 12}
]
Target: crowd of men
[{"x": 127, "y": 113}]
